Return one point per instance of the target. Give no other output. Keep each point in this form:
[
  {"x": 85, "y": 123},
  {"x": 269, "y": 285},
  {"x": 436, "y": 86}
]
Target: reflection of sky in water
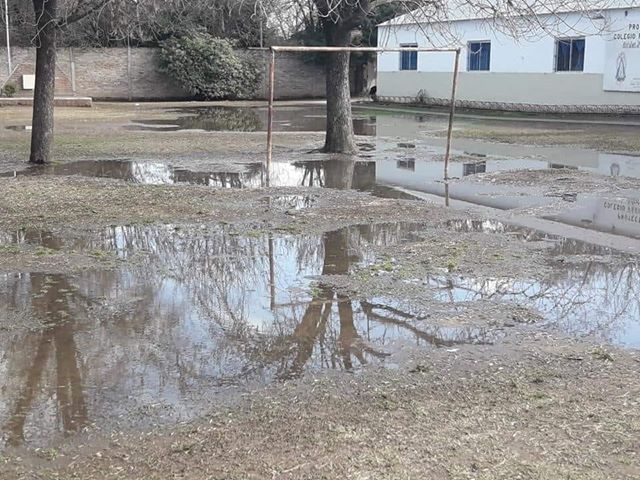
[
  {"x": 618, "y": 214},
  {"x": 196, "y": 312},
  {"x": 590, "y": 299},
  {"x": 202, "y": 310}
]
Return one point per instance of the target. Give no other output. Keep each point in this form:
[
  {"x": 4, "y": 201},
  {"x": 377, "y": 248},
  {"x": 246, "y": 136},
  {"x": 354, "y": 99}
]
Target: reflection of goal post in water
[{"x": 272, "y": 81}]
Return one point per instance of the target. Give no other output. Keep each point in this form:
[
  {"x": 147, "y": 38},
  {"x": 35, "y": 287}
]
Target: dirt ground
[
  {"x": 532, "y": 402},
  {"x": 536, "y": 407}
]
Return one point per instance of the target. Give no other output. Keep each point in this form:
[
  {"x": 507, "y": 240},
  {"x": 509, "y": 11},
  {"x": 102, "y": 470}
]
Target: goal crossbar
[{"x": 303, "y": 49}]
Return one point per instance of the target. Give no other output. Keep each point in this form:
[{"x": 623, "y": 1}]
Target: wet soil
[
  {"x": 552, "y": 410},
  {"x": 169, "y": 313}
]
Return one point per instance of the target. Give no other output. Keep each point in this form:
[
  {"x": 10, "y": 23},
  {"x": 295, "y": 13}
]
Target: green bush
[
  {"x": 208, "y": 68},
  {"x": 10, "y": 89}
]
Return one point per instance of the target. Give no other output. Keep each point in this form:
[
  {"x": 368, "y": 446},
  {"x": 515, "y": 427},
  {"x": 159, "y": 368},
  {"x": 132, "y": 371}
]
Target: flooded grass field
[{"x": 159, "y": 273}]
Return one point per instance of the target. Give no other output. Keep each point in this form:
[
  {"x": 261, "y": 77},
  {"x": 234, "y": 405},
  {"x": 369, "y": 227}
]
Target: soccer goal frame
[{"x": 299, "y": 49}]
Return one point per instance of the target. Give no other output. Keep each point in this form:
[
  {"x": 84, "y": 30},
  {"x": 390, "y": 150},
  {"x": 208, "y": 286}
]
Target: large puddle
[
  {"x": 338, "y": 174},
  {"x": 618, "y": 214},
  {"x": 250, "y": 119},
  {"x": 390, "y": 162},
  {"x": 200, "y": 312},
  {"x": 392, "y": 166}
]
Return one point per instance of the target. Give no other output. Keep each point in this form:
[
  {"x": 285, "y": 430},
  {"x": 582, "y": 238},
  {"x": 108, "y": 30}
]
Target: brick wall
[{"x": 115, "y": 73}]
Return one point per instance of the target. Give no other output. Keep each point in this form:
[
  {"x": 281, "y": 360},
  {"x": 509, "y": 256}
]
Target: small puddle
[
  {"x": 249, "y": 119},
  {"x": 587, "y": 299},
  {"x": 591, "y": 296}
]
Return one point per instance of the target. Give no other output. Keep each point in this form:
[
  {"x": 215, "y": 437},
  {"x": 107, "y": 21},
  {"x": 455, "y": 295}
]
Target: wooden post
[
  {"x": 272, "y": 273},
  {"x": 446, "y": 193},
  {"x": 452, "y": 109},
  {"x": 129, "y": 86},
  {"x": 72, "y": 64},
  {"x": 272, "y": 81},
  {"x": 6, "y": 23}
]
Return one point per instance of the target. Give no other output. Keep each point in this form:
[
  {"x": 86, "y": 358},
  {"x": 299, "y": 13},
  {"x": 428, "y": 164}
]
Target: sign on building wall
[{"x": 622, "y": 57}]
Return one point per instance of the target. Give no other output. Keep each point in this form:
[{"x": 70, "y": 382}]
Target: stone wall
[
  {"x": 122, "y": 74},
  {"x": 510, "y": 106}
]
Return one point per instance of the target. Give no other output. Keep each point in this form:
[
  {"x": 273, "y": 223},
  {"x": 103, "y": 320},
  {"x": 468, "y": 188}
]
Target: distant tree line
[{"x": 148, "y": 23}]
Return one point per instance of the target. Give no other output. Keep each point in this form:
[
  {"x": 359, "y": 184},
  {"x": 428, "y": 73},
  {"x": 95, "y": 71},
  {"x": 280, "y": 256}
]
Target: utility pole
[{"x": 6, "y": 24}]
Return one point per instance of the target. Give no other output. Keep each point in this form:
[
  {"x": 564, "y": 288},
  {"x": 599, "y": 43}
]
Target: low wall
[
  {"x": 134, "y": 74},
  {"x": 533, "y": 92}
]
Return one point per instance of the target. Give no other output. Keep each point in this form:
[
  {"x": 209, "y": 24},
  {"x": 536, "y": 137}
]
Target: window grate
[
  {"x": 570, "y": 54},
  {"x": 409, "y": 60},
  {"x": 479, "y": 57}
]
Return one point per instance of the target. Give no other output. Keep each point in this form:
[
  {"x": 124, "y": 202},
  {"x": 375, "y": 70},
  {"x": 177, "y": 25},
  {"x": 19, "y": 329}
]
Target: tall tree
[
  {"x": 46, "y": 12},
  {"x": 49, "y": 18},
  {"x": 338, "y": 21}
]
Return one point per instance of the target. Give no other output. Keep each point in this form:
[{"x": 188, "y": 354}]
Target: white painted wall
[{"x": 531, "y": 53}]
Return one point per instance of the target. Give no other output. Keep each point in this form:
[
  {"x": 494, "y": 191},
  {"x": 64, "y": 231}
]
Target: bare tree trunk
[
  {"x": 43, "y": 95},
  {"x": 339, "y": 137}
]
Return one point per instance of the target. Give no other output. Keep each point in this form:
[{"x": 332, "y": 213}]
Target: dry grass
[{"x": 538, "y": 409}]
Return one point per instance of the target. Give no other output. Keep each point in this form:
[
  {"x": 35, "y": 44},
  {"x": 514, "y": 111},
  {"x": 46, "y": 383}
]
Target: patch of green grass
[
  {"x": 182, "y": 447},
  {"x": 315, "y": 291},
  {"x": 9, "y": 249},
  {"x": 101, "y": 254},
  {"x": 293, "y": 229},
  {"x": 48, "y": 454},
  {"x": 386, "y": 265},
  {"x": 253, "y": 234},
  {"x": 540, "y": 396},
  {"x": 44, "y": 251},
  {"x": 601, "y": 354}
]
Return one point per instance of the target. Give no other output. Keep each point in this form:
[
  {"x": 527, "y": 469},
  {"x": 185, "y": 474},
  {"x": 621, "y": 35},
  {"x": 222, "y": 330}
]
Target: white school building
[{"x": 581, "y": 61}]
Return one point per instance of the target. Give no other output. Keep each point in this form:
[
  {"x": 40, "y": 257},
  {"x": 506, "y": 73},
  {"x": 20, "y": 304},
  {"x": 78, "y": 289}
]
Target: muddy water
[
  {"x": 342, "y": 174},
  {"x": 618, "y": 214},
  {"x": 202, "y": 311},
  {"x": 286, "y": 119},
  {"x": 405, "y": 154}
]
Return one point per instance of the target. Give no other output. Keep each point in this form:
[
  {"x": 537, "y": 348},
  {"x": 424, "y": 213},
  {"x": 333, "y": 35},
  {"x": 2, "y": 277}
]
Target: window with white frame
[
  {"x": 570, "y": 54},
  {"x": 479, "y": 56},
  {"x": 408, "y": 59}
]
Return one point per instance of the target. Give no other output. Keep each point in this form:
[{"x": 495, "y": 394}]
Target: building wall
[
  {"x": 118, "y": 74},
  {"x": 522, "y": 68}
]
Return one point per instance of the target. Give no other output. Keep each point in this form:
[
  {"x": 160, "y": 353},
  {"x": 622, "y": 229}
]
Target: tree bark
[
  {"x": 339, "y": 136},
  {"x": 43, "y": 95}
]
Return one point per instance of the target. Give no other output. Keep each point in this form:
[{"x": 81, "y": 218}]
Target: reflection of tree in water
[
  {"x": 589, "y": 297},
  {"x": 251, "y": 176},
  {"x": 200, "y": 308},
  {"x": 214, "y": 119},
  {"x": 341, "y": 174},
  {"x": 211, "y": 119},
  {"x": 52, "y": 299},
  {"x": 331, "y": 331}
]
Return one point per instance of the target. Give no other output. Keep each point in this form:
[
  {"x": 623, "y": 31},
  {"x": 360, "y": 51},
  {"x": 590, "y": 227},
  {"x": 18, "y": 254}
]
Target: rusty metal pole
[
  {"x": 272, "y": 81},
  {"x": 446, "y": 194},
  {"x": 452, "y": 109},
  {"x": 6, "y": 24}
]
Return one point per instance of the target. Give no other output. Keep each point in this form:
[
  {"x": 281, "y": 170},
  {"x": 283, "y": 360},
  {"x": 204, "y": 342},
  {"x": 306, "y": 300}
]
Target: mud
[{"x": 166, "y": 311}]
